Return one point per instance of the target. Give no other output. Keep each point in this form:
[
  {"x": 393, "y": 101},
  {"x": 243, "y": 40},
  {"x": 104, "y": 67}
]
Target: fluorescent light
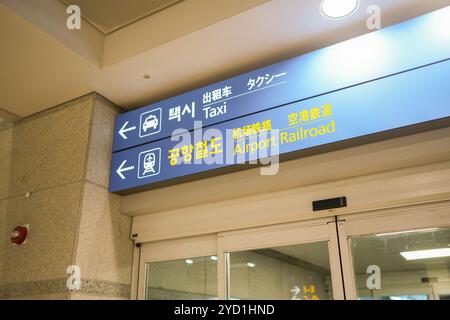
[
  {"x": 251, "y": 264},
  {"x": 189, "y": 261},
  {"x": 426, "y": 254},
  {"x": 213, "y": 258},
  {"x": 338, "y": 8},
  {"x": 405, "y": 232}
]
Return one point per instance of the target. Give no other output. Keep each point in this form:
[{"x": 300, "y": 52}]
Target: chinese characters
[
  {"x": 312, "y": 114},
  {"x": 252, "y": 129},
  {"x": 217, "y": 94}
]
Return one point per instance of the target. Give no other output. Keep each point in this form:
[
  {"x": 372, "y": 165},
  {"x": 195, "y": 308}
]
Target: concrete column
[
  {"x": 5, "y": 164},
  {"x": 62, "y": 156}
]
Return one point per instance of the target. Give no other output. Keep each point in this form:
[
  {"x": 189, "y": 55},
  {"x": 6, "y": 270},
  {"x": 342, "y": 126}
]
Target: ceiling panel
[{"x": 110, "y": 15}]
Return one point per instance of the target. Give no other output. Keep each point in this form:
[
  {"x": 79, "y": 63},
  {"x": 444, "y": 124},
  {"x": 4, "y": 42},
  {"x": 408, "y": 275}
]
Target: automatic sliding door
[
  {"x": 401, "y": 254},
  {"x": 290, "y": 262}
]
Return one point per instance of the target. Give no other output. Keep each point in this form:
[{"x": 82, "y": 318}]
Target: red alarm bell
[{"x": 19, "y": 235}]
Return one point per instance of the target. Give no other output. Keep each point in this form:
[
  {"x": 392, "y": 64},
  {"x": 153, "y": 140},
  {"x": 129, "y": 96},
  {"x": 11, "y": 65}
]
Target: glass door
[
  {"x": 296, "y": 261},
  {"x": 182, "y": 269},
  {"x": 401, "y": 254}
]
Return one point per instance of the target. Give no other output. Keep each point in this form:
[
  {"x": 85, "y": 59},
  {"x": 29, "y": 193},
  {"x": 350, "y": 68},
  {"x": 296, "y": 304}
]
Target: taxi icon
[{"x": 150, "y": 122}]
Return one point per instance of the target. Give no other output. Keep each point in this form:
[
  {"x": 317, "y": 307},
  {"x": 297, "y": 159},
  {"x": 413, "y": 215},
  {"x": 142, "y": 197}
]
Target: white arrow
[
  {"x": 122, "y": 169},
  {"x": 124, "y": 129}
]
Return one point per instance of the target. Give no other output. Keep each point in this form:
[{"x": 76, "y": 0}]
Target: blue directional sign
[
  {"x": 386, "y": 80},
  {"x": 409, "y": 98},
  {"x": 399, "y": 48}
]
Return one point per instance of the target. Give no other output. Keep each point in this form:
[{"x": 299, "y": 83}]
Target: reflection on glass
[
  {"x": 412, "y": 265},
  {"x": 185, "y": 279},
  {"x": 297, "y": 272}
]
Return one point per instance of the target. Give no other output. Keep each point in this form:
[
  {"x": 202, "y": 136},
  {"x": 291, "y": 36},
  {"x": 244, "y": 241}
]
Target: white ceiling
[
  {"x": 39, "y": 71},
  {"x": 110, "y": 15}
]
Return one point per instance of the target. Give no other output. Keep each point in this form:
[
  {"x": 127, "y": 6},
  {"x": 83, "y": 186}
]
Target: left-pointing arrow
[
  {"x": 124, "y": 130},
  {"x": 121, "y": 169}
]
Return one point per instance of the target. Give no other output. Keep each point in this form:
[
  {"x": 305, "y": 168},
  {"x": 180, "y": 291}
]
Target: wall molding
[{"x": 58, "y": 286}]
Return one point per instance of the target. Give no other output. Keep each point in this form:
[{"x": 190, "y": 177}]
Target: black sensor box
[{"x": 328, "y": 204}]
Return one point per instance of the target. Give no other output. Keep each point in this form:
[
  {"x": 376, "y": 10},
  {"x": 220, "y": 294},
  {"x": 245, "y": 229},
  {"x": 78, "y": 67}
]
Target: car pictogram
[{"x": 150, "y": 122}]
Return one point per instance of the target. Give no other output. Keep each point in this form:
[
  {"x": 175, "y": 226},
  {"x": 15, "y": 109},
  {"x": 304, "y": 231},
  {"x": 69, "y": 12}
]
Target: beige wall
[
  {"x": 62, "y": 157},
  {"x": 5, "y": 161}
]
